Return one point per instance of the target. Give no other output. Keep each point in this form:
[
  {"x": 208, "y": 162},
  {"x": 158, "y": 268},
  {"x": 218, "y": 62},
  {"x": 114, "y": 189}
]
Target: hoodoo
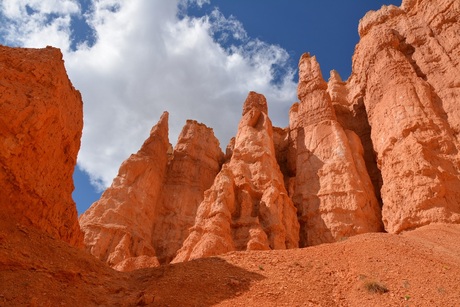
[
  {"x": 377, "y": 152},
  {"x": 247, "y": 208}
]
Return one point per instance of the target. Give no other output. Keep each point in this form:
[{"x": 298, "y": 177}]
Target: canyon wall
[
  {"x": 40, "y": 128},
  {"x": 377, "y": 152}
]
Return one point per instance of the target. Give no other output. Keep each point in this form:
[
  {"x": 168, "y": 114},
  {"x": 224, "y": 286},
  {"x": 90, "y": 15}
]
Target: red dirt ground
[{"x": 418, "y": 268}]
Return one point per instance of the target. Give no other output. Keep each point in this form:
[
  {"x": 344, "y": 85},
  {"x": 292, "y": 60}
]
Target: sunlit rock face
[
  {"x": 376, "y": 152},
  {"x": 144, "y": 217},
  {"x": 332, "y": 191},
  {"x": 248, "y": 207},
  {"x": 406, "y": 71},
  {"x": 41, "y": 120}
]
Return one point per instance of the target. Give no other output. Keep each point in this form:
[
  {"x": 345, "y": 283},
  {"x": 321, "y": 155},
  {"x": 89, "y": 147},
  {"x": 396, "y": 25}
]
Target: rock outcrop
[
  {"x": 333, "y": 191},
  {"x": 247, "y": 207},
  {"x": 144, "y": 217},
  {"x": 195, "y": 163},
  {"x": 379, "y": 151},
  {"x": 41, "y": 121},
  {"x": 406, "y": 72},
  {"x": 119, "y": 225}
]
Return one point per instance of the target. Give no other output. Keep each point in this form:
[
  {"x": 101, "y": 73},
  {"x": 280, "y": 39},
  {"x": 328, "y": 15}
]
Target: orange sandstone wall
[{"x": 41, "y": 122}]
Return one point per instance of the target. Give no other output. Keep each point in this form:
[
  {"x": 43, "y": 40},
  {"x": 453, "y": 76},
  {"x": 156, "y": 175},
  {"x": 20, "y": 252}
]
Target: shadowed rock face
[
  {"x": 333, "y": 192},
  {"x": 376, "y": 152},
  {"x": 40, "y": 128}
]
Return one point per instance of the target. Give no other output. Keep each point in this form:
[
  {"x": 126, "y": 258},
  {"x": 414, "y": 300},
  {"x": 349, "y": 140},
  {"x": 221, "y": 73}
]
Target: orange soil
[{"x": 418, "y": 268}]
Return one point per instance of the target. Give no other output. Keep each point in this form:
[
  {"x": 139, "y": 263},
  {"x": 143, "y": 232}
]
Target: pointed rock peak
[
  {"x": 162, "y": 124},
  {"x": 159, "y": 132},
  {"x": 335, "y": 77},
  {"x": 197, "y": 134},
  {"x": 255, "y": 101},
  {"x": 310, "y": 76},
  {"x": 309, "y": 68}
]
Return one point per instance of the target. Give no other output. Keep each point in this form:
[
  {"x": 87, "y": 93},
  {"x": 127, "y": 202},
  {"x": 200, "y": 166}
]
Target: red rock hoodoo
[
  {"x": 379, "y": 151},
  {"x": 247, "y": 208},
  {"x": 144, "y": 217},
  {"x": 40, "y": 128},
  {"x": 333, "y": 191}
]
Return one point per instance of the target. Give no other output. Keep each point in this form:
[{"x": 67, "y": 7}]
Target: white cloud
[
  {"x": 31, "y": 22},
  {"x": 146, "y": 60}
]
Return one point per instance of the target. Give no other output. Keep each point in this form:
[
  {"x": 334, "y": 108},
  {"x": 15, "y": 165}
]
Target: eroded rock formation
[
  {"x": 406, "y": 71},
  {"x": 247, "y": 208},
  {"x": 379, "y": 151},
  {"x": 333, "y": 191},
  {"x": 41, "y": 121},
  {"x": 144, "y": 217},
  {"x": 119, "y": 225}
]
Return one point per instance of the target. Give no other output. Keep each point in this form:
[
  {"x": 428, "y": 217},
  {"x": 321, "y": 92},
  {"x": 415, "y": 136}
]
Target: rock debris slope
[{"x": 377, "y": 152}]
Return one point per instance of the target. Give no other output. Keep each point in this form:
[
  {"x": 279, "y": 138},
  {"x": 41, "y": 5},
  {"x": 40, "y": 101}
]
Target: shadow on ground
[{"x": 201, "y": 282}]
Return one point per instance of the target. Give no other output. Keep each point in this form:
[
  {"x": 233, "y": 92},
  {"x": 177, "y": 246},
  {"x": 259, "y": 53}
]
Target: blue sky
[{"x": 194, "y": 58}]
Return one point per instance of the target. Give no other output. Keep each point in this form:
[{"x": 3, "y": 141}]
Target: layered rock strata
[
  {"x": 247, "y": 207},
  {"x": 41, "y": 122},
  {"x": 143, "y": 218}
]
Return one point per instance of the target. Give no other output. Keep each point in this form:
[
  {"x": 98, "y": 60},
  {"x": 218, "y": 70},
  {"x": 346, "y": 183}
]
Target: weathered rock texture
[
  {"x": 40, "y": 128},
  {"x": 333, "y": 191},
  {"x": 196, "y": 161},
  {"x": 247, "y": 208},
  {"x": 379, "y": 151},
  {"x": 406, "y": 72},
  {"x": 144, "y": 217}
]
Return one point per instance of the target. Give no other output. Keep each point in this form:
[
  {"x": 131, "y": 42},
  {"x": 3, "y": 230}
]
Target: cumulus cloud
[{"x": 149, "y": 56}]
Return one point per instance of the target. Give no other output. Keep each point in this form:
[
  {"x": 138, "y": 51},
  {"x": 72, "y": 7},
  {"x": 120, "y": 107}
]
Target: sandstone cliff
[{"x": 41, "y": 121}]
